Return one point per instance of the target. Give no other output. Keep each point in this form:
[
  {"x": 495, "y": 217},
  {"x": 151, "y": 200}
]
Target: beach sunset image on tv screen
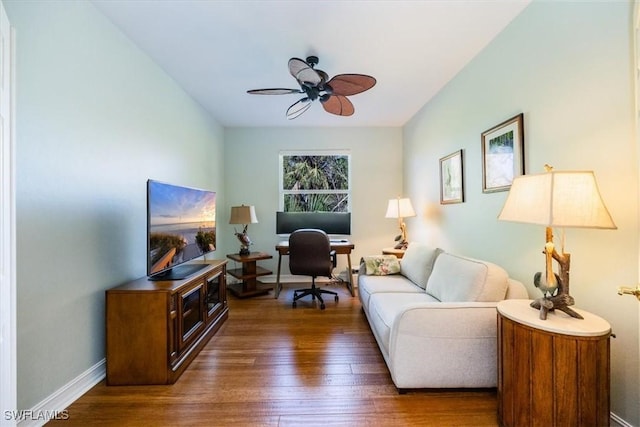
[{"x": 181, "y": 224}]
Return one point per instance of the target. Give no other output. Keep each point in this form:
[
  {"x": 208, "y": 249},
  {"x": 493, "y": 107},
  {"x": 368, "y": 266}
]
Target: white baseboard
[
  {"x": 616, "y": 421},
  {"x": 285, "y": 278},
  {"x": 54, "y": 406},
  {"x": 290, "y": 278}
]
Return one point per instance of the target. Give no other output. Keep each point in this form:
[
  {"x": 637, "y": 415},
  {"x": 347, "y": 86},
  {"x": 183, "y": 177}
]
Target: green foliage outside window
[{"x": 315, "y": 183}]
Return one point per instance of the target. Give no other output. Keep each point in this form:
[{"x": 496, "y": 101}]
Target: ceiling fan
[{"x": 315, "y": 84}]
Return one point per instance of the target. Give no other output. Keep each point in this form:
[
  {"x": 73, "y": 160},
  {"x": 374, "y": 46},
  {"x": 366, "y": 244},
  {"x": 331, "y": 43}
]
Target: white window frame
[{"x": 283, "y": 192}]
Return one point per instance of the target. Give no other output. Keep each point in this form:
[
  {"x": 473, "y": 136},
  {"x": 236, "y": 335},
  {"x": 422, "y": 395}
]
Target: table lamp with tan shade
[
  {"x": 243, "y": 215},
  {"x": 556, "y": 199}
]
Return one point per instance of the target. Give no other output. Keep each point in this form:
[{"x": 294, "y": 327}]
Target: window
[{"x": 315, "y": 182}]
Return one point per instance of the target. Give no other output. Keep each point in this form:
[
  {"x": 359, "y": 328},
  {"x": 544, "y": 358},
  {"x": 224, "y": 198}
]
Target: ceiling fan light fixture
[
  {"x": 299, "y": 107},
  {"x": 315, "y": 84}
]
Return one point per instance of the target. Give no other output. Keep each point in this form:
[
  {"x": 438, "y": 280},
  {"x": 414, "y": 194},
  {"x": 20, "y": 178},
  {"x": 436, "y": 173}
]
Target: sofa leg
[{"x": 402, "y": 390}]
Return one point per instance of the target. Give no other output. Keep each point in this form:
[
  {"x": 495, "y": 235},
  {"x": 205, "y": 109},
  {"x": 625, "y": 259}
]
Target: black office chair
[{"x": 310, "y": 254}]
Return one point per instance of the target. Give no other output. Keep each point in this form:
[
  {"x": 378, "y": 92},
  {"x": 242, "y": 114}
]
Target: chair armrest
[{"x": 334, "y": 260}]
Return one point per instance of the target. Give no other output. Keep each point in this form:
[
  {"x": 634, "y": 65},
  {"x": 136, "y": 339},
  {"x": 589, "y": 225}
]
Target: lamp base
[
  {"x": 559, "y": 302},
  {"x": 401, "y": 245},
  {"x": 562, "y": 300}
]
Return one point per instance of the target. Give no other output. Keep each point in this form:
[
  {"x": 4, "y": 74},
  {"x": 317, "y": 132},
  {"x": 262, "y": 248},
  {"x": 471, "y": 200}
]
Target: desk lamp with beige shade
[{"x": 400, "y": 208}]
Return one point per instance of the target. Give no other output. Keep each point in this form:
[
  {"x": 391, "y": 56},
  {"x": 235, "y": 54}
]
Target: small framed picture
[
  {"x": 451, "y": 179},
  {"x": 502, "y": 154}
]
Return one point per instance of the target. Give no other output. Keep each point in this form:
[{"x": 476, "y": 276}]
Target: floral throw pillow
[{"x": 381, "y": 265}]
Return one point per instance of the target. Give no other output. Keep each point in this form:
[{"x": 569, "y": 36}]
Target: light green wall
[
  {"x": 567, "y": 67},
  {"x": 95, "y": 119},
  {"x": 251, "y": 161}
]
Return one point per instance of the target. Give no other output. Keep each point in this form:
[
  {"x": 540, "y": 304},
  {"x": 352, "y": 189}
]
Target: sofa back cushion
[
  {"x": 417, "y": 262},
  {"x": 457, "y": 279}
]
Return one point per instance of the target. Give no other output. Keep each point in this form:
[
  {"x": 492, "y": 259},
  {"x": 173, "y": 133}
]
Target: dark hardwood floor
[{"x": 272, "y": 365}]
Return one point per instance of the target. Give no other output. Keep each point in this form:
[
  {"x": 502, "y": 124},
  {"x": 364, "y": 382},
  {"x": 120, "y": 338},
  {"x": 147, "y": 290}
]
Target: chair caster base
[{"x": 315, "y": 295}]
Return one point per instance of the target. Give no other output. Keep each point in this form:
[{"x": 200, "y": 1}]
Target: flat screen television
[{"x": 181, "y": 226}]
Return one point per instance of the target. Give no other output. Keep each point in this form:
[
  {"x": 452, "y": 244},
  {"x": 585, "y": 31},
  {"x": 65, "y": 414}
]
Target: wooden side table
[
  {"x": 399, "y": 253},
  {"x": 552, "y": 372},
  {"x": 249, "y": 273}
]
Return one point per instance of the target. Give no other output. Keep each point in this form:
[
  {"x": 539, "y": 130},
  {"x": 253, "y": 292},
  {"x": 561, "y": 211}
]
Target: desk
[{"x": 342, "y": 247}]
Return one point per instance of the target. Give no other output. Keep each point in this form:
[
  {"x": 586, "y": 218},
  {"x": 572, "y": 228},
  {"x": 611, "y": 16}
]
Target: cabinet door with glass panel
[
  {"x": 215, "y": 297},
  {"x": 190, "y": 314}
]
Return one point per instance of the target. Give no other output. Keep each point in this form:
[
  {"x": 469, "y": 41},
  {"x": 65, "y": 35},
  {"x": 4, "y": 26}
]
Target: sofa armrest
[
  {"x": 453, "y": 343},
  {"x": 446, "y": 319},
  {"x": 516, "y": 290}
]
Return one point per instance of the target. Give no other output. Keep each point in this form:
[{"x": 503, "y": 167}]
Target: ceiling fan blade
[
  {"x": 351, "y": 84},
  {"x": 338, "y": 105},
  {"x": 274, "y": 91},
  {"x": 298, "y": 108},
  {"x": 303, "y": 72}
]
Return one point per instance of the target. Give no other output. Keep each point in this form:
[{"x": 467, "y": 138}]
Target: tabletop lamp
[
  {"x": 243, "y": 215},
  {"x": 556, "y": 199},
  {"x": 400, "y": 208}
]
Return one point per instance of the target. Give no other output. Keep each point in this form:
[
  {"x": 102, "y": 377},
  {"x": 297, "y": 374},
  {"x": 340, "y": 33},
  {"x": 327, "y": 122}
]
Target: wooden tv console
[{"x": 156, "y": 328}]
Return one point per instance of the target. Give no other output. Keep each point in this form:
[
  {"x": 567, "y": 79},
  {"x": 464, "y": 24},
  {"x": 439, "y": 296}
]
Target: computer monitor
[{"x": 332, "y": 223}]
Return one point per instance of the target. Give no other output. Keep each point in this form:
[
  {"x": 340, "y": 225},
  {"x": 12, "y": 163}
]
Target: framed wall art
[
  {"x": 451, "y": 179},
  {"x": 502, "y": 154}
]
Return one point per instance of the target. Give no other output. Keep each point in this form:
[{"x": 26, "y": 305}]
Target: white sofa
[{"x": 435, "y": 320}]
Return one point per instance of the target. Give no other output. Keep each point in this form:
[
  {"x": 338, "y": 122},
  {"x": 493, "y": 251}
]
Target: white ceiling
[{"x": 218, "y": 49}]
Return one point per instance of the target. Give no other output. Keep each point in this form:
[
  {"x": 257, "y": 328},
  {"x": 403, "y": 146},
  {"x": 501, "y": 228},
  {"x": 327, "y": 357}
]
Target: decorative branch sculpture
[{"x": 554, "y": 299}]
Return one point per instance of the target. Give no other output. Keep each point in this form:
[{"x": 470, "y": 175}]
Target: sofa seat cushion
[
  {"x": 460, "y": 279},
  {"x": 417, "y": 262},
  {"x": 385, "y": 307},
  {"x": 369, "y": 285}
]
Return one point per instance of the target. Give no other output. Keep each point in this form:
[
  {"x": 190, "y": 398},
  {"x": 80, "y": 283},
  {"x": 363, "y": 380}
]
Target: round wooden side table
[
  {"x": 399, "y": 253},
  {"x": 552, "y": 372}
]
